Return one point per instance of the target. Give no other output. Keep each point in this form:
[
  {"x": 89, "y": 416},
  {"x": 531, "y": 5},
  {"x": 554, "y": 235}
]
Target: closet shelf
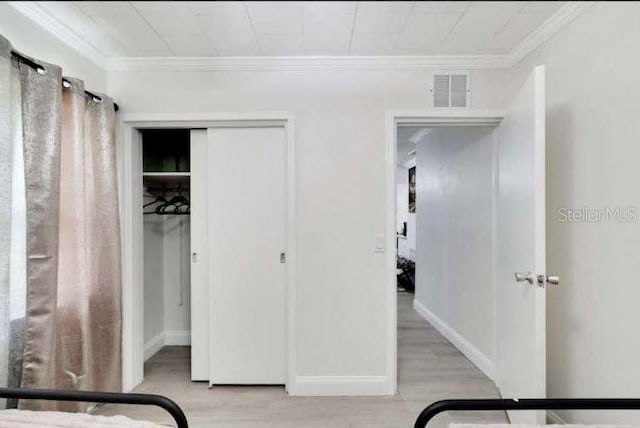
[
  {"x": 166, "y": 174},
  {"x": 160, "y": 180}
]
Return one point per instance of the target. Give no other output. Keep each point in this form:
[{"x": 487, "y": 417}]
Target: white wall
[
  {"x": 592, "y": 161},
  {"x": 176, "y": 268},
  {"x": 340, "y": 152},
  {"x": 454, "y": 217},
  {"x": 153, "y": 277},
  {"x": 412, "y": 235},
  {"x": 167, "y": 318},
  {"x": 30, "y": 39}
]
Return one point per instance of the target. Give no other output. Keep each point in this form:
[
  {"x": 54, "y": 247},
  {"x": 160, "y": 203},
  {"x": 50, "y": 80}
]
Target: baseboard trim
[
  {"x": 340, "y": 386},
  {"x": 153, "y": 345},
  {"x": 177, "y": 338},
  {"x": 554, "y": 418},
  {"x": 474, "y": 355},
  {"x": 166, "y": 338}
]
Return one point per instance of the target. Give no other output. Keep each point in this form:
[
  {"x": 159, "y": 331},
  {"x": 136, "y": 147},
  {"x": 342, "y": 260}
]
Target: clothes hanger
[
  {"x": 177, "y": 205},
  {"x": 158, "y": 199},
  {"x": 176, "y": 202}
]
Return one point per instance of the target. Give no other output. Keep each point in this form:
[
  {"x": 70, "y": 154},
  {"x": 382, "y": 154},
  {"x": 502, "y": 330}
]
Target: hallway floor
[{"x": 429, "y": 369}]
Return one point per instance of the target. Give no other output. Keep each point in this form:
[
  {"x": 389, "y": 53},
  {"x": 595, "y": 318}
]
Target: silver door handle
[
  {"x": 541, "y": 280},
  {"x": 552, "y": 279},
  {"x": 522, "y": 277}
]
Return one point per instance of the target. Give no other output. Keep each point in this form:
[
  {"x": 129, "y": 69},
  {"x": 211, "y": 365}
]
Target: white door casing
[{"x": 520, "y": 306}]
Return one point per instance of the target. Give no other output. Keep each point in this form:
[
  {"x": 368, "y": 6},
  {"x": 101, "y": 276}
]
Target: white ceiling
[{"x": 236, "y": 28}]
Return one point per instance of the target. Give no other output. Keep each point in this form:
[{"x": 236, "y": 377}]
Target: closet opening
[
  {"x": 207, "y": 278},
  {"x": 166, "y": 246}
]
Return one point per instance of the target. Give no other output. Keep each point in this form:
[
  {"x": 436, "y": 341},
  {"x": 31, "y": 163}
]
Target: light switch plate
[{"x": 380, "y": 243}]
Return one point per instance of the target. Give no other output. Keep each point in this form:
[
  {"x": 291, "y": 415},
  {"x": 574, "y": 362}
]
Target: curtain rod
[{"x": 37, "y": 67}]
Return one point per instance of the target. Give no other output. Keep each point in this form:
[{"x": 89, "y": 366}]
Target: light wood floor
[{"x": 429, "y": 369}]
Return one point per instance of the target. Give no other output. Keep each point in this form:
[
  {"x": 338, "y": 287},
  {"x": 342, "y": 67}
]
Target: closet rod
[{"x": 23, "y": 59}]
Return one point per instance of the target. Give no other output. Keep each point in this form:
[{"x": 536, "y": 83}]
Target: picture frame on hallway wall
[{"x": 412, "y": 189}]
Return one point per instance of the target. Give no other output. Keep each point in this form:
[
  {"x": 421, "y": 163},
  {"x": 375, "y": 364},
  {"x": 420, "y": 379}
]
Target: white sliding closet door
[
  {"x": 199, "y": 257},
  {"x": 246, "y": 194}
]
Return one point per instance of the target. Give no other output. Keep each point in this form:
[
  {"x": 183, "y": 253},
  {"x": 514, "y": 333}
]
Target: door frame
[
  {"x": 393, "y": 118},
  {"x": 129, "y": 155}
]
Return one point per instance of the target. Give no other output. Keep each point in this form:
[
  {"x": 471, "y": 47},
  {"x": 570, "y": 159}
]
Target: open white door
[{"x": 521, "y": 275}]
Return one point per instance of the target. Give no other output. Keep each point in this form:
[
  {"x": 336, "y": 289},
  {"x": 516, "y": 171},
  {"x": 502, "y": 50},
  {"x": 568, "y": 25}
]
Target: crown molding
[
  {"x": 563, "y": 16},
  {"x": 304, "y": 63},
  {"x": 552, "y": 25},
  {"x": 44, "y": 19}
]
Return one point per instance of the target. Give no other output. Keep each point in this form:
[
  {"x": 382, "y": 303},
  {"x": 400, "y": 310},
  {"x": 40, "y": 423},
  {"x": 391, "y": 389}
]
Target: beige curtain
[
  {"x": 73, "y": 268},
  {"x": 8, "y": 77},
  {"x": 69, "y": 336},
  {"x": 104, "y": 295},
  {"x": 12, "y": 223},
  {"x": 88, "y": 306},
  {"x": 5, "y": 205},
  {"x": 41, "y": 102}
]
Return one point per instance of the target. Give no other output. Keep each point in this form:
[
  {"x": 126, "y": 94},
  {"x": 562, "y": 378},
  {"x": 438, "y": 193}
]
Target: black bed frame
[
  {"x": 100, "y": 397},
  {"x": 527, "y": 404},
  {"x": 423, "y": 419}
]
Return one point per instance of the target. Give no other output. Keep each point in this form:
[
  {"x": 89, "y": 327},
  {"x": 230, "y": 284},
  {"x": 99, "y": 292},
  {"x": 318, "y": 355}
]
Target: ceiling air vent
[{"x": 451, "y": 89}]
